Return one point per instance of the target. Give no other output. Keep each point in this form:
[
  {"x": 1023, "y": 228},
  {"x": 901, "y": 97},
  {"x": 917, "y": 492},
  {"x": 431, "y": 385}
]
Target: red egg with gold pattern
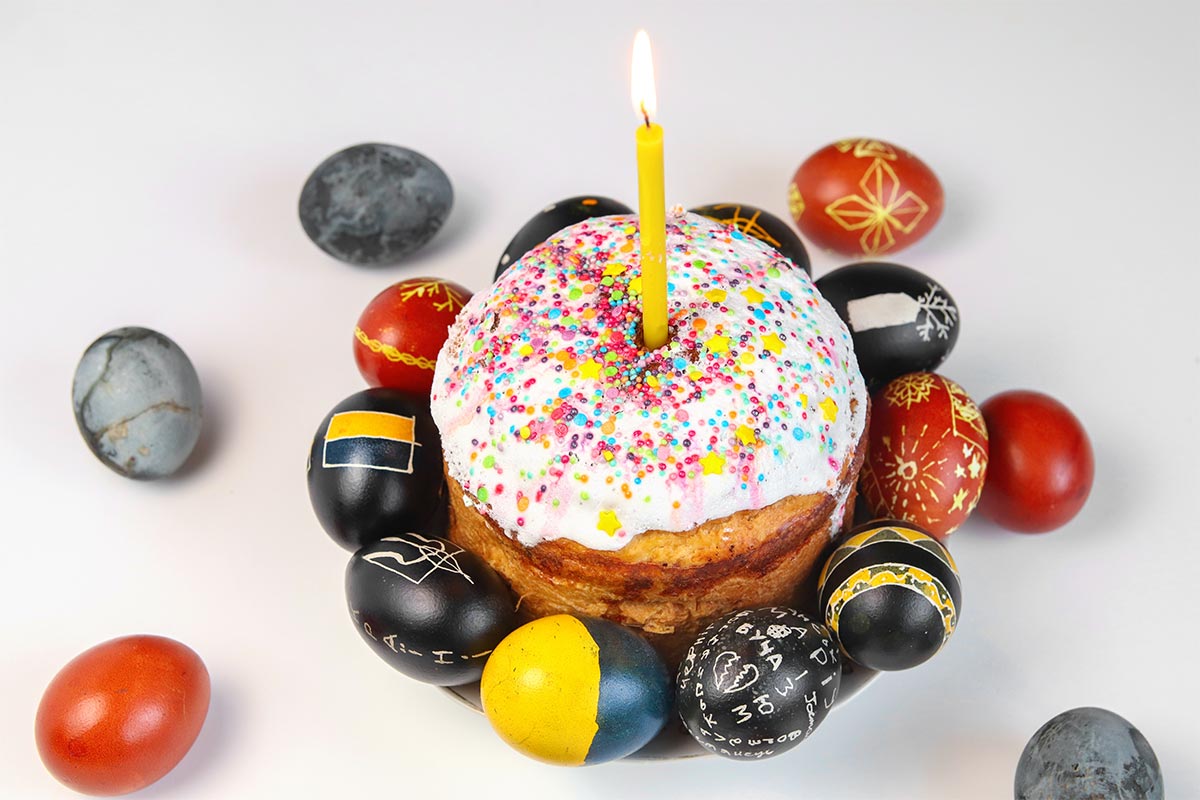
[
  {"x": 864, "y": 197},
  {"x": 927, "y": 453},
  {"x": 1042, "y": 466},
  {"x": 400, "y": 332}
]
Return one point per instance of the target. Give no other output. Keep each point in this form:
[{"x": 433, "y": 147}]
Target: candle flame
[{"x": 645, "y": 102}]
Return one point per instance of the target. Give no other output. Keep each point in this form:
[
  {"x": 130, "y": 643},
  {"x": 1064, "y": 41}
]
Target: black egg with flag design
[
  {"x": 427, "y": 607},
  {"x": 756, "y": 683},
  {"x": 901, "y": 320},
  {"x": 762, "y": 225},
  {"x": 552, "y": 219},
  {"x": 375, "y": 467},
  {"x": 891, "y": 594}
]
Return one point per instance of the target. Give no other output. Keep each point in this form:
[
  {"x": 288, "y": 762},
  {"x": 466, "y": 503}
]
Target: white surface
[{"x": 152, "y": 160}]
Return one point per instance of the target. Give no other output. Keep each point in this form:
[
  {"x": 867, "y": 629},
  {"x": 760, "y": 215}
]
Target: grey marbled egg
[
  {"x": 137, "y": 402},
  {"x": 375, "y": 204},
  {"x": 1088, "y": 754}
]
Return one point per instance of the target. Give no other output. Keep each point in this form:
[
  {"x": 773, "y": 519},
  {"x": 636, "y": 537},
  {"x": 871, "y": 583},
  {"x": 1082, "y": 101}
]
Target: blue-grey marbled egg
[
  {"x": 375, "y": 204},
  {"x": 1088, "y": 754},
  {"x": 137, "y": 402}
]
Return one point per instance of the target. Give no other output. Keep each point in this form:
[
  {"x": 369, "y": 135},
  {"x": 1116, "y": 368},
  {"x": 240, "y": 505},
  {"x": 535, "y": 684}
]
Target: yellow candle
[{"x": 652, "y": 206}]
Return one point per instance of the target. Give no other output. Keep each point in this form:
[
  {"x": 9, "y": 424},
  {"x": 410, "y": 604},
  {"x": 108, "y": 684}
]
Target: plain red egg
[
  {"x": 399, "y": 334},
  {"x": 1041, "y": 467},
  {"x": 121, "y": 715}
]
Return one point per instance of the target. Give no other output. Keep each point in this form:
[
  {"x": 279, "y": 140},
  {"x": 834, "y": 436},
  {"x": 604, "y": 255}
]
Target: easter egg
[
  {"x": 375, "y": 467},
  {"x": 575, "y": 690},
  {"x": 900, "y": 320},
  {"x": 552, "y": 219},
  {"x": 137, "y": 402},
  {"x": 1040, "y": 464},
  {"x": 864, "y": 197},
  {"x": 429, "y": 608},
  {"x": 121, "y": 715},
  {"x": 374, "y": 204},
  {"x": 891, "y": 594},
  {"x": 762, "y": 225},
  {"x": 1088, "y": 754},
  {"x": 756, "y": 683},
  {"x": 927, "y": 453},
  {"x": 399, "y": 334}
]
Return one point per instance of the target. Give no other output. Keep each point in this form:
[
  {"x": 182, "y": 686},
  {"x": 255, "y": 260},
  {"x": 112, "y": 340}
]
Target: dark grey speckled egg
[
  {"x": 137, "y": 402},
  {"x": 1088, "y": 754},
  {"x": 375, "y": 204}
]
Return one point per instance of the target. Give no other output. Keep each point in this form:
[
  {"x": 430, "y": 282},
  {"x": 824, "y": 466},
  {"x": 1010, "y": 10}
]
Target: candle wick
[{"x": 645, "y": 114}]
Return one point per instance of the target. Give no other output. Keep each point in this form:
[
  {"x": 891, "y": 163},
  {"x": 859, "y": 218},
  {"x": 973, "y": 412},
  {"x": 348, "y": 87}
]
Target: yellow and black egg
[
  {"x": 891, "y": 594},
  {"x": 573, "y": 690}
]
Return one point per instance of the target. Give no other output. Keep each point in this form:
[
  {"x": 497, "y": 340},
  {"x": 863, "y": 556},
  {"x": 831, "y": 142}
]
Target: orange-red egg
[
  {"x": 399, "y": 334},
  {"x": 927, "y": 453},
  {"x": 864, "y": 197},
  {"x": 121, "y": 715}
]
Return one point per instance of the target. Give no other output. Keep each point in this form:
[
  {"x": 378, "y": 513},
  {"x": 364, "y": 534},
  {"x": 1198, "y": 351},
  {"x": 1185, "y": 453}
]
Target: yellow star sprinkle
[
  {"x": 635, "y": 285},
  {"x": 608, "y": 523},
  {"x": 715, "y": 295},
  {"x": 712, "y": 463},
  {"x": 745, "y": 435},
  {"x": 718, "y": 344},
  {"x": 753, "y": 295},
  {"x": 773, "y": 343},
  {"x": 590, "y": 369},
  {"x": 614, "y": 269},
  {"x": 829, "y": 409},
  {"x": 804, "y": 401}
]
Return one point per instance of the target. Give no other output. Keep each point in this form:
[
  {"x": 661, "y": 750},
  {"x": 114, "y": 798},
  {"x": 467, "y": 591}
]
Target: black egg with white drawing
[
  {"x": 762, "y": 225},
  {"x": 427, "y": 607},
  {"x": 901, "y": 320},
  {"x": 375, "y": 467},
  {"x": 756, "y": 683},
  {"x": 552, "y": 219}
]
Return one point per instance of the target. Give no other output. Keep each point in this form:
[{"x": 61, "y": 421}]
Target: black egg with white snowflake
[
  {"x": 762, "y": 225},
  {"x": 552, "y": 219},
  {"x": 901, "y": 320},
  {"x": 429, "y": 608},
  {"x": 756, "y": 683}
]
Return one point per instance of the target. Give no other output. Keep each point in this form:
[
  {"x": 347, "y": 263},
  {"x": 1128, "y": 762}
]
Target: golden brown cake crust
[{"x": 668, "y": 584}]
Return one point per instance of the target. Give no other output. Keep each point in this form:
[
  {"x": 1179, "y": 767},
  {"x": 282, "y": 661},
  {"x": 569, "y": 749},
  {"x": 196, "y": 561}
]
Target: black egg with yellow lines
[
  {"x": 572, "y": 690},
  {"x": 762, "y": 225},
  {"x": 891, "y": 594},
  {"x": 375, "y": 467}
]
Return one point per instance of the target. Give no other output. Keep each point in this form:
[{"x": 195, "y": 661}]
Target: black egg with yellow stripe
[
  {"x": 891, "y": 594},
  {"x": 375, "y": 467},
  {"x": 575, "y": 690}
]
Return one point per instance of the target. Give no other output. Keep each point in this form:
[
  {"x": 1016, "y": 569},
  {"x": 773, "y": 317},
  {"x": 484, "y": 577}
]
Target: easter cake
[{"x": 658, "y": 489}]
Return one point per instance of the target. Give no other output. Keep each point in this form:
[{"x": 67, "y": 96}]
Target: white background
[{"x": 153, "y": 154}]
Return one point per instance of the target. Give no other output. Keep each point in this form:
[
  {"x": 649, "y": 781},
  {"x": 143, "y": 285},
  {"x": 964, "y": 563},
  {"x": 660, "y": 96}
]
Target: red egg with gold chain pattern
[
  {"x": 927, "y": 453},
  {"x": 400, "y": 332},
  {"x": 864, "y": 197}
]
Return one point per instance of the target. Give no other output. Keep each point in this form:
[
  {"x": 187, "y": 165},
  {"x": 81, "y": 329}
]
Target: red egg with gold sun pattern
[
  {"x": 927, "y": 453},
  {"x": 398, "y": 336},
  {"x": 864, "y": 197}
]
